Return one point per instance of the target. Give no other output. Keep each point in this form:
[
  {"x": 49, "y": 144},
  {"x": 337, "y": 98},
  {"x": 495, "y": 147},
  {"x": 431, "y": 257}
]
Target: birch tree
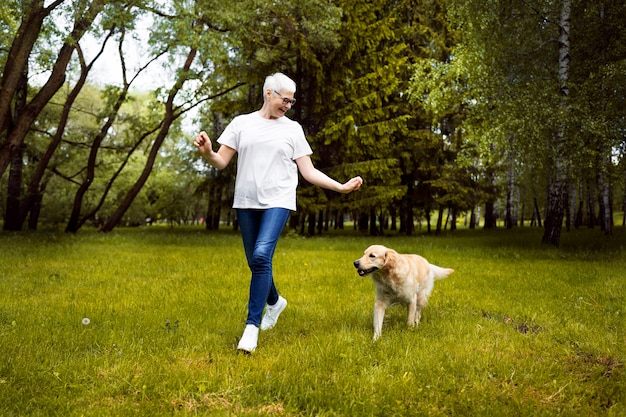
[{"x": 558, "y": 182}]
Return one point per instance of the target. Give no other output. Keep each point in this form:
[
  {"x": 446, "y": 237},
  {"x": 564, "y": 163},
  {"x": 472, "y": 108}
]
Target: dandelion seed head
[{"x": 86, "y": 321}]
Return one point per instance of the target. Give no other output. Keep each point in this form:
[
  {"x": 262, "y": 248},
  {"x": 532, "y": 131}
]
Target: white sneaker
[
  {"x": 249, "y": 339},
  {"x": 272, "y": 312}
]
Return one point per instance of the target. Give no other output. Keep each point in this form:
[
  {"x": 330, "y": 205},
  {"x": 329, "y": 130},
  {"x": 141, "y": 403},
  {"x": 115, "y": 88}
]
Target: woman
[{"x": 272, "y": 149}]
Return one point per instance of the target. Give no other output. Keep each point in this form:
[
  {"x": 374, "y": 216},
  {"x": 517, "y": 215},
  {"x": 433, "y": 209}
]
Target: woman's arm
[
  {"x": 219, "y": 159},
  {"x": 317, "y": 177}
]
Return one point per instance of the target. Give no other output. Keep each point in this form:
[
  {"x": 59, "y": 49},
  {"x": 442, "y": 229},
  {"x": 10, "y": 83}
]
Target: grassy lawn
[{"x": 146, "y": 322}]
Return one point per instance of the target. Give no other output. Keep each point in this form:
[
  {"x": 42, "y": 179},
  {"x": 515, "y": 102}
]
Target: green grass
[{"x": 518, "y": 329}]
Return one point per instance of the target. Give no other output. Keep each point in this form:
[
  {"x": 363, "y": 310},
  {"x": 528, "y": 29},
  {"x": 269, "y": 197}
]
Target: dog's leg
[
  {"x": 379, "y": 315},
  {"x": 418, "y": 316},
  {"x": 422, "y": 298},
  {"x": 411, "y": 319}
]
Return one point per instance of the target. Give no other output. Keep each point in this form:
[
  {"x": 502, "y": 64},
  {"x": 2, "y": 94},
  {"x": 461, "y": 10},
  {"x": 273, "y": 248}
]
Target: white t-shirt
[{"x": 267, "y": 174}]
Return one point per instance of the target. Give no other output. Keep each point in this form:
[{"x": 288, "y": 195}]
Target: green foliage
[
  {"x": 356, "y": 116},
  {"x": 146, "y": 322},
  {"x": 430, "y": 102},
  {"x": 498, "y": 88},
  {"x": 8, "y": 26}
]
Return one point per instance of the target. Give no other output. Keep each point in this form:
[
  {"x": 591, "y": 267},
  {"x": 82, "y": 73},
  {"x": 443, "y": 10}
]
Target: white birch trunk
[{"x": 558, "y": 188}]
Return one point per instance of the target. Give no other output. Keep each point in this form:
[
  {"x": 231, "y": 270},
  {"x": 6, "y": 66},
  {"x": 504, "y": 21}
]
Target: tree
[
  {"x": 13, "y": 126},
  {"x": 365, "y": 115},
  {"x": 523, "y": 86},
  {"x": 115, "y": 19},
  {"x": 598, "y": 96},
  {"x": 34, "y": 194},
  {"x": 557, "y": 188}
]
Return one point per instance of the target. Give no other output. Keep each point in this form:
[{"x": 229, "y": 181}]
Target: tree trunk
[
  {"x": 373, "y": 223},
  {"x": 327, "y": 219},
  {"x": 453, "y": 218},
  {"x": 490, "y": 215},
  {"x": 606, "y": 214},
  {"x": 578, "y": 221},
  {"x": 294, "y": 221},
  {"x": 567, "y": 208},
  {"x": 591, "y": 204},
  {"x": 12, "y": 214},
  {"x": 558, "y": 187},
  {"x": 339, "y": 219},
  {"x": 407, "y": 221},
  {"x": 214, "y": 207},
  {"x": 510, "y": 184},
  {"x": 311, "y": 230},
  {"x": 572, "y": 199},
  {"x": 320, "y": 222},
  {"x": 508, "y": 216},
  {"x": 579, "y": 206},
  {"x": 393, "y": 215},
  {"x": 604, "y": 153},
  {"x": 363, "y": 221},
  {"x": 35, "y": 208},
  {"x": 536, "y": 213},
  {"x": 624, "y": 203},
  {"x": 439, "y": 221},
  {"x": 490, "y": 204}
]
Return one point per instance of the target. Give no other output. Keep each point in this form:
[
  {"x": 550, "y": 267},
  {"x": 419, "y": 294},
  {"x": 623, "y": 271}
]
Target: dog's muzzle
[{"x": 362, "y": 272}]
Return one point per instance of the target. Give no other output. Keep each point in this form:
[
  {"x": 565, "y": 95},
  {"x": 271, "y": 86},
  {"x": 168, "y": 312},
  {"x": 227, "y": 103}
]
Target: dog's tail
[{"x": 439, "y": 272}]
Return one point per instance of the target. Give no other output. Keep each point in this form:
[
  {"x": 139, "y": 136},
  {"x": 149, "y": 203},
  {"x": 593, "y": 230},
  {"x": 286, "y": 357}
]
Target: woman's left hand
[{"x": 352, "y": 185}]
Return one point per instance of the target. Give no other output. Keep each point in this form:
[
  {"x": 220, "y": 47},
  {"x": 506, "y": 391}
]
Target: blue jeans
[{"x": 260, "y": 230}]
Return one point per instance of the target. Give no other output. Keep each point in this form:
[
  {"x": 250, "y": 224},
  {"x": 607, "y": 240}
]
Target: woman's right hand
[
  {"x": 219, "y": 159},
  {"x": 203, "y": 143}
]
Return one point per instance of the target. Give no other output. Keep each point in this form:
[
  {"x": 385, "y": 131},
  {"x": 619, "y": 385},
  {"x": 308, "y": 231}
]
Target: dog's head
[{"x": 374, "y": 258}]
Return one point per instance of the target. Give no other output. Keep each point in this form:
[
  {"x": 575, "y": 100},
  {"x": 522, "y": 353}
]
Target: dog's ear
[{"x": 390, "y": 258}]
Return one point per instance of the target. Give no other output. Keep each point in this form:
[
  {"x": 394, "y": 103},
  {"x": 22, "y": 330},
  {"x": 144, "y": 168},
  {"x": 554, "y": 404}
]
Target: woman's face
[{"x": 280, "y": 102}]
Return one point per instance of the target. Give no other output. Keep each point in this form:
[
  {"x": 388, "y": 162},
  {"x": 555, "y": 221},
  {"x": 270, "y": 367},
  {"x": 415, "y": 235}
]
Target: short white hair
[{"x": 279, "y": 82}]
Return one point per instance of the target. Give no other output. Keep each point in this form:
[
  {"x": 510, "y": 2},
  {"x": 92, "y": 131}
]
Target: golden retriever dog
[{"x": 399, "y": 279}]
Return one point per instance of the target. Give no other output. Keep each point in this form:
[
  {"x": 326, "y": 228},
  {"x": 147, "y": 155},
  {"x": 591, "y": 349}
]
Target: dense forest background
[{"x": 467, "y": 111}]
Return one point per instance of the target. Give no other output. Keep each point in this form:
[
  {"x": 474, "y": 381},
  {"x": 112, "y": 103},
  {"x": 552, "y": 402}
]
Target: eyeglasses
[{"x": 286, "y": 100}]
